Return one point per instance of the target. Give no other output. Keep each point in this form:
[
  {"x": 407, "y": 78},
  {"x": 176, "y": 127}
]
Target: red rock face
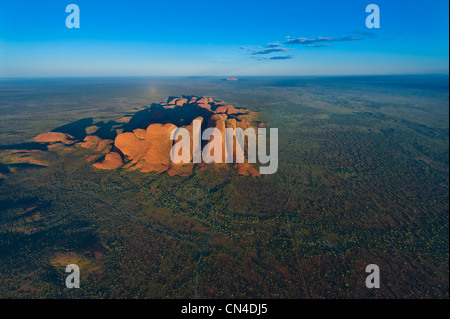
[
  {"x": 193, "y": 100},
  {"x": 147, "y": 147},
  {"x": 173, "y": 101},
  {"x": 112, "y": 160},
  {"x": 228, "y": 109},
  {"x": 231, "y": 123},
  {"x": 149, "y": 151},
  {"x": 53, "y": 137},
  {"x": 204, "y": 106},
  {"x": 243, "y": 124},
  {"x": 202, "y": 100},
  {"x": 181, "y": 102},
  {"x": 95, "y": 142},
  {"x": 124, "y": 119}
]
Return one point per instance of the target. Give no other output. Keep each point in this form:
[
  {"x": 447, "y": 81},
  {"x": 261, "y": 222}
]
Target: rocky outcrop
[
  {"x": 96, "y": 143},
  {"x": 112, "y": 160},
  {"x": 54, "y": 137},
  {"x": 124, "y": 119},
  {"x": 227, "y": 109},
  {"x": 142, "y": 141},
  {"x": 149, "y": 150}
]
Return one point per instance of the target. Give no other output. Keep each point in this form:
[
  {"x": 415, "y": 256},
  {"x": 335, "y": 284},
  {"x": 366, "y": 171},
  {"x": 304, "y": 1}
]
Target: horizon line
[{"x": 217, "y": 76}]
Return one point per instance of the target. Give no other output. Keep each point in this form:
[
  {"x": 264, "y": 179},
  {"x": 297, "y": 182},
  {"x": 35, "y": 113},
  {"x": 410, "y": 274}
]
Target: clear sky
[{"x": 226, "y": 38}]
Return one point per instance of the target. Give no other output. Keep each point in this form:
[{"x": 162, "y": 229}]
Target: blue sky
[{"x": 226, "y": 38}]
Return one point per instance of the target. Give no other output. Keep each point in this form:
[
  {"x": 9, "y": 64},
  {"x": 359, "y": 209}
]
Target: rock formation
[
  {"x": 142, "y": 141},
  {"x": 148, "y": 150},
  {"x": 54, "y": 137}
]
